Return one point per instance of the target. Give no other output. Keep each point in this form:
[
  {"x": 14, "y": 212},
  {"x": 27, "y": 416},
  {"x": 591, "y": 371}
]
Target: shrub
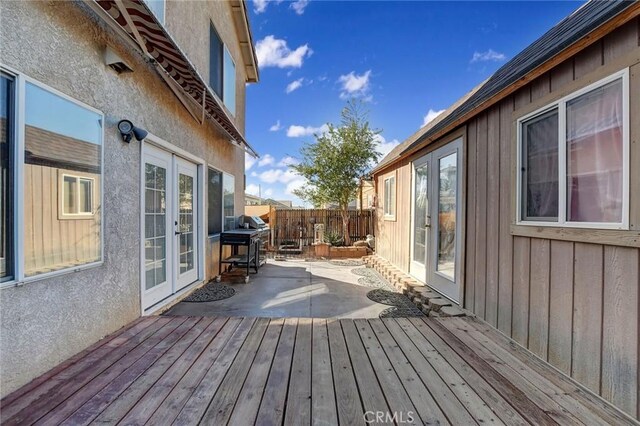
[{"x": 334, "y": 238}]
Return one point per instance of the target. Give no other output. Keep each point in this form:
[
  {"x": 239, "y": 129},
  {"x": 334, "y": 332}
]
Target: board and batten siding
[
  {"x": 393, "y": 235},
  {"x": 572, "y": 297}
]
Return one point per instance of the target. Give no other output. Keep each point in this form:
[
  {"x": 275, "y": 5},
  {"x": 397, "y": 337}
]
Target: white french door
[
  {"x": 170, "y": 223},
  {"x": 185, "y": 223},
  {"x": 436, "y": 219},
  {"x": 420, "y": 218}
]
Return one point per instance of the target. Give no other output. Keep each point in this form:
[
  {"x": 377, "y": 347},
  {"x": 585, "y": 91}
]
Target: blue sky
[{"x": 406, "y": 59}]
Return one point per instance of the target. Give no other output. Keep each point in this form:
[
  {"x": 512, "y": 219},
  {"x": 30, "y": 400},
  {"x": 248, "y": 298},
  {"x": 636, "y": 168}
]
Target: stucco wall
[{"x": 60, "y": 44}]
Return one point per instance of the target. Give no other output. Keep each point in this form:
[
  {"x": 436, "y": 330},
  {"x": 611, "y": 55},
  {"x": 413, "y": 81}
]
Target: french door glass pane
[
  {"x": 186, "y": 193},
  {"x": 420, "y": 213},
  {"x": 155, "y": 225},
  {"x": 594, "y": 157},
  {"x": 447, "y": 206},
  {"x": 6, "y": 177},
  {"x": 540, "y": 172}
]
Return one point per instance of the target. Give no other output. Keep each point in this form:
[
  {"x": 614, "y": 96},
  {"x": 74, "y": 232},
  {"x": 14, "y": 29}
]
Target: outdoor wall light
[{"x": 128, "y": 131}]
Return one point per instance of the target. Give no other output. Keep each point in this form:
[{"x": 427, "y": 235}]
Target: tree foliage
[{"x": 334, "y": 164}]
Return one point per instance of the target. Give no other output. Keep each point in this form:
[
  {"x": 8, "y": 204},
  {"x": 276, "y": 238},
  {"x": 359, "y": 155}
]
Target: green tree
[{"x": 337, "y": 160}]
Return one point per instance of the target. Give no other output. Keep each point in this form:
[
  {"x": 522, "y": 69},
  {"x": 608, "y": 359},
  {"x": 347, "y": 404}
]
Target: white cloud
[
  {"x": 268, "y": 192},
  {"x": 299, "y": 6},
  {"x": 254, "y": 174},
  {"x": 275, "y": 127},
  {"x": 267, "y": 160},
  {"x": 354, "y": 85},
  {"x": 385, "y": 147},
  {"x": 295, "y": 184},
  {"x": 274, "y": 52},
  {"x": 431, "y": 114},
  {"x": 288, "y": 161},
  {"x": 252, "y": 189},
  {"x": 278, "y": 175},
  {"x": 294, "y": 85},
  {"x": 249, "y": 161},
  {"x": 300, "y": 131},
  {"x": 260, "y": 6},
  {"x": 489, "y": 55}
]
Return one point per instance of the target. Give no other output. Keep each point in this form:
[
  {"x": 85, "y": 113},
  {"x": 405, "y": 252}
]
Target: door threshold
[{"x": 168, "y": 302}]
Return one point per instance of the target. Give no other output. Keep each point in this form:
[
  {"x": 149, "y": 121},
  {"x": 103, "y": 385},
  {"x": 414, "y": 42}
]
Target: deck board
[
  {"x": 190, "y": 370},
  {"x": 144, "y": 395},
  {"x": 298, "y": 405}
]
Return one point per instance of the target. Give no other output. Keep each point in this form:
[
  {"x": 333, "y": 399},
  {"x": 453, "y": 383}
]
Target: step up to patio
[
  {"x": 427, "y": 300},
  {"x": 451, "y": 311},
  {"x": 438, "y": 303}
]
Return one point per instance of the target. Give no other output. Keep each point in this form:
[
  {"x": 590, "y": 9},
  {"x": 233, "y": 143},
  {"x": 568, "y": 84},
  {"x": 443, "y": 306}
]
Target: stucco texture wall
[{"x": 61, "y": 45}]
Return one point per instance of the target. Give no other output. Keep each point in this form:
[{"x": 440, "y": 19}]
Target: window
[
  {"x": 6, "y": 176},
  {"x": 221, "y": 202},
  {"x": 229, "y": 74},
  {"x": 214, "y": 200},
  {"x": 222, "y": 71},
  {"x": 62, "y": 171},
  {"x": 157, "y": 7},
  {"x": 390, "y": 197},
  {"x": 215, "y": 61},
  {"x": 77, "y": 197},
  {"x": 574, "y": 157},
  {"x": 540, "y": 167},
  {"x": 229, "y": 193}
]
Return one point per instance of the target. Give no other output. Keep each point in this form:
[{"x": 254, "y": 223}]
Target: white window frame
[
  {"x": 61, "y": 198},
  {"x": 20, "y": 80},
  {"x": 561, "y": 104},
  {"x": 386, "y": 207}
]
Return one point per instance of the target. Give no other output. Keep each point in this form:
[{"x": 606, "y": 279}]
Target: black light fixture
[{"x": 128, "y": 131}]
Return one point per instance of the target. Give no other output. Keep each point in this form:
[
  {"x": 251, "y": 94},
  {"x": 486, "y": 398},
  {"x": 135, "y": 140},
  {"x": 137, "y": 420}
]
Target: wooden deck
[{"x": 244, "y": 371}]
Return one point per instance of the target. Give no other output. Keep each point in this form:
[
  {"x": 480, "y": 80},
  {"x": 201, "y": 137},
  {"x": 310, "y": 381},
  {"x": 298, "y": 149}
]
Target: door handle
[{"x": 428, "y": 224}]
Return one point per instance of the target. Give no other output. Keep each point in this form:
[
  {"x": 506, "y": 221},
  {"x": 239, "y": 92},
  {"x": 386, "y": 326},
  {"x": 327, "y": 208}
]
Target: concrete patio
[{"x": 292, "y": 288}]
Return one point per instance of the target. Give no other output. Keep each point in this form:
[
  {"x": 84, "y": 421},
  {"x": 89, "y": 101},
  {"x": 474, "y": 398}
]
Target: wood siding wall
[
  {"x": 52, "y": 243},
  {"x": 393, "y": 237},
  {"x": 573, "y": 303}
]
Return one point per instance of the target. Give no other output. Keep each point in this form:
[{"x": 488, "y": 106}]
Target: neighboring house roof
[
  {"x": 266, "y": 201},
  {"x": 562, "y": 36},
  {"x": 50, "y": 149},
  {"x": 144, "y": 29}
]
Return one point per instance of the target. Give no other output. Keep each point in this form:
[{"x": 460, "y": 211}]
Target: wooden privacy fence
[{"x": 291, "y": 225}]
